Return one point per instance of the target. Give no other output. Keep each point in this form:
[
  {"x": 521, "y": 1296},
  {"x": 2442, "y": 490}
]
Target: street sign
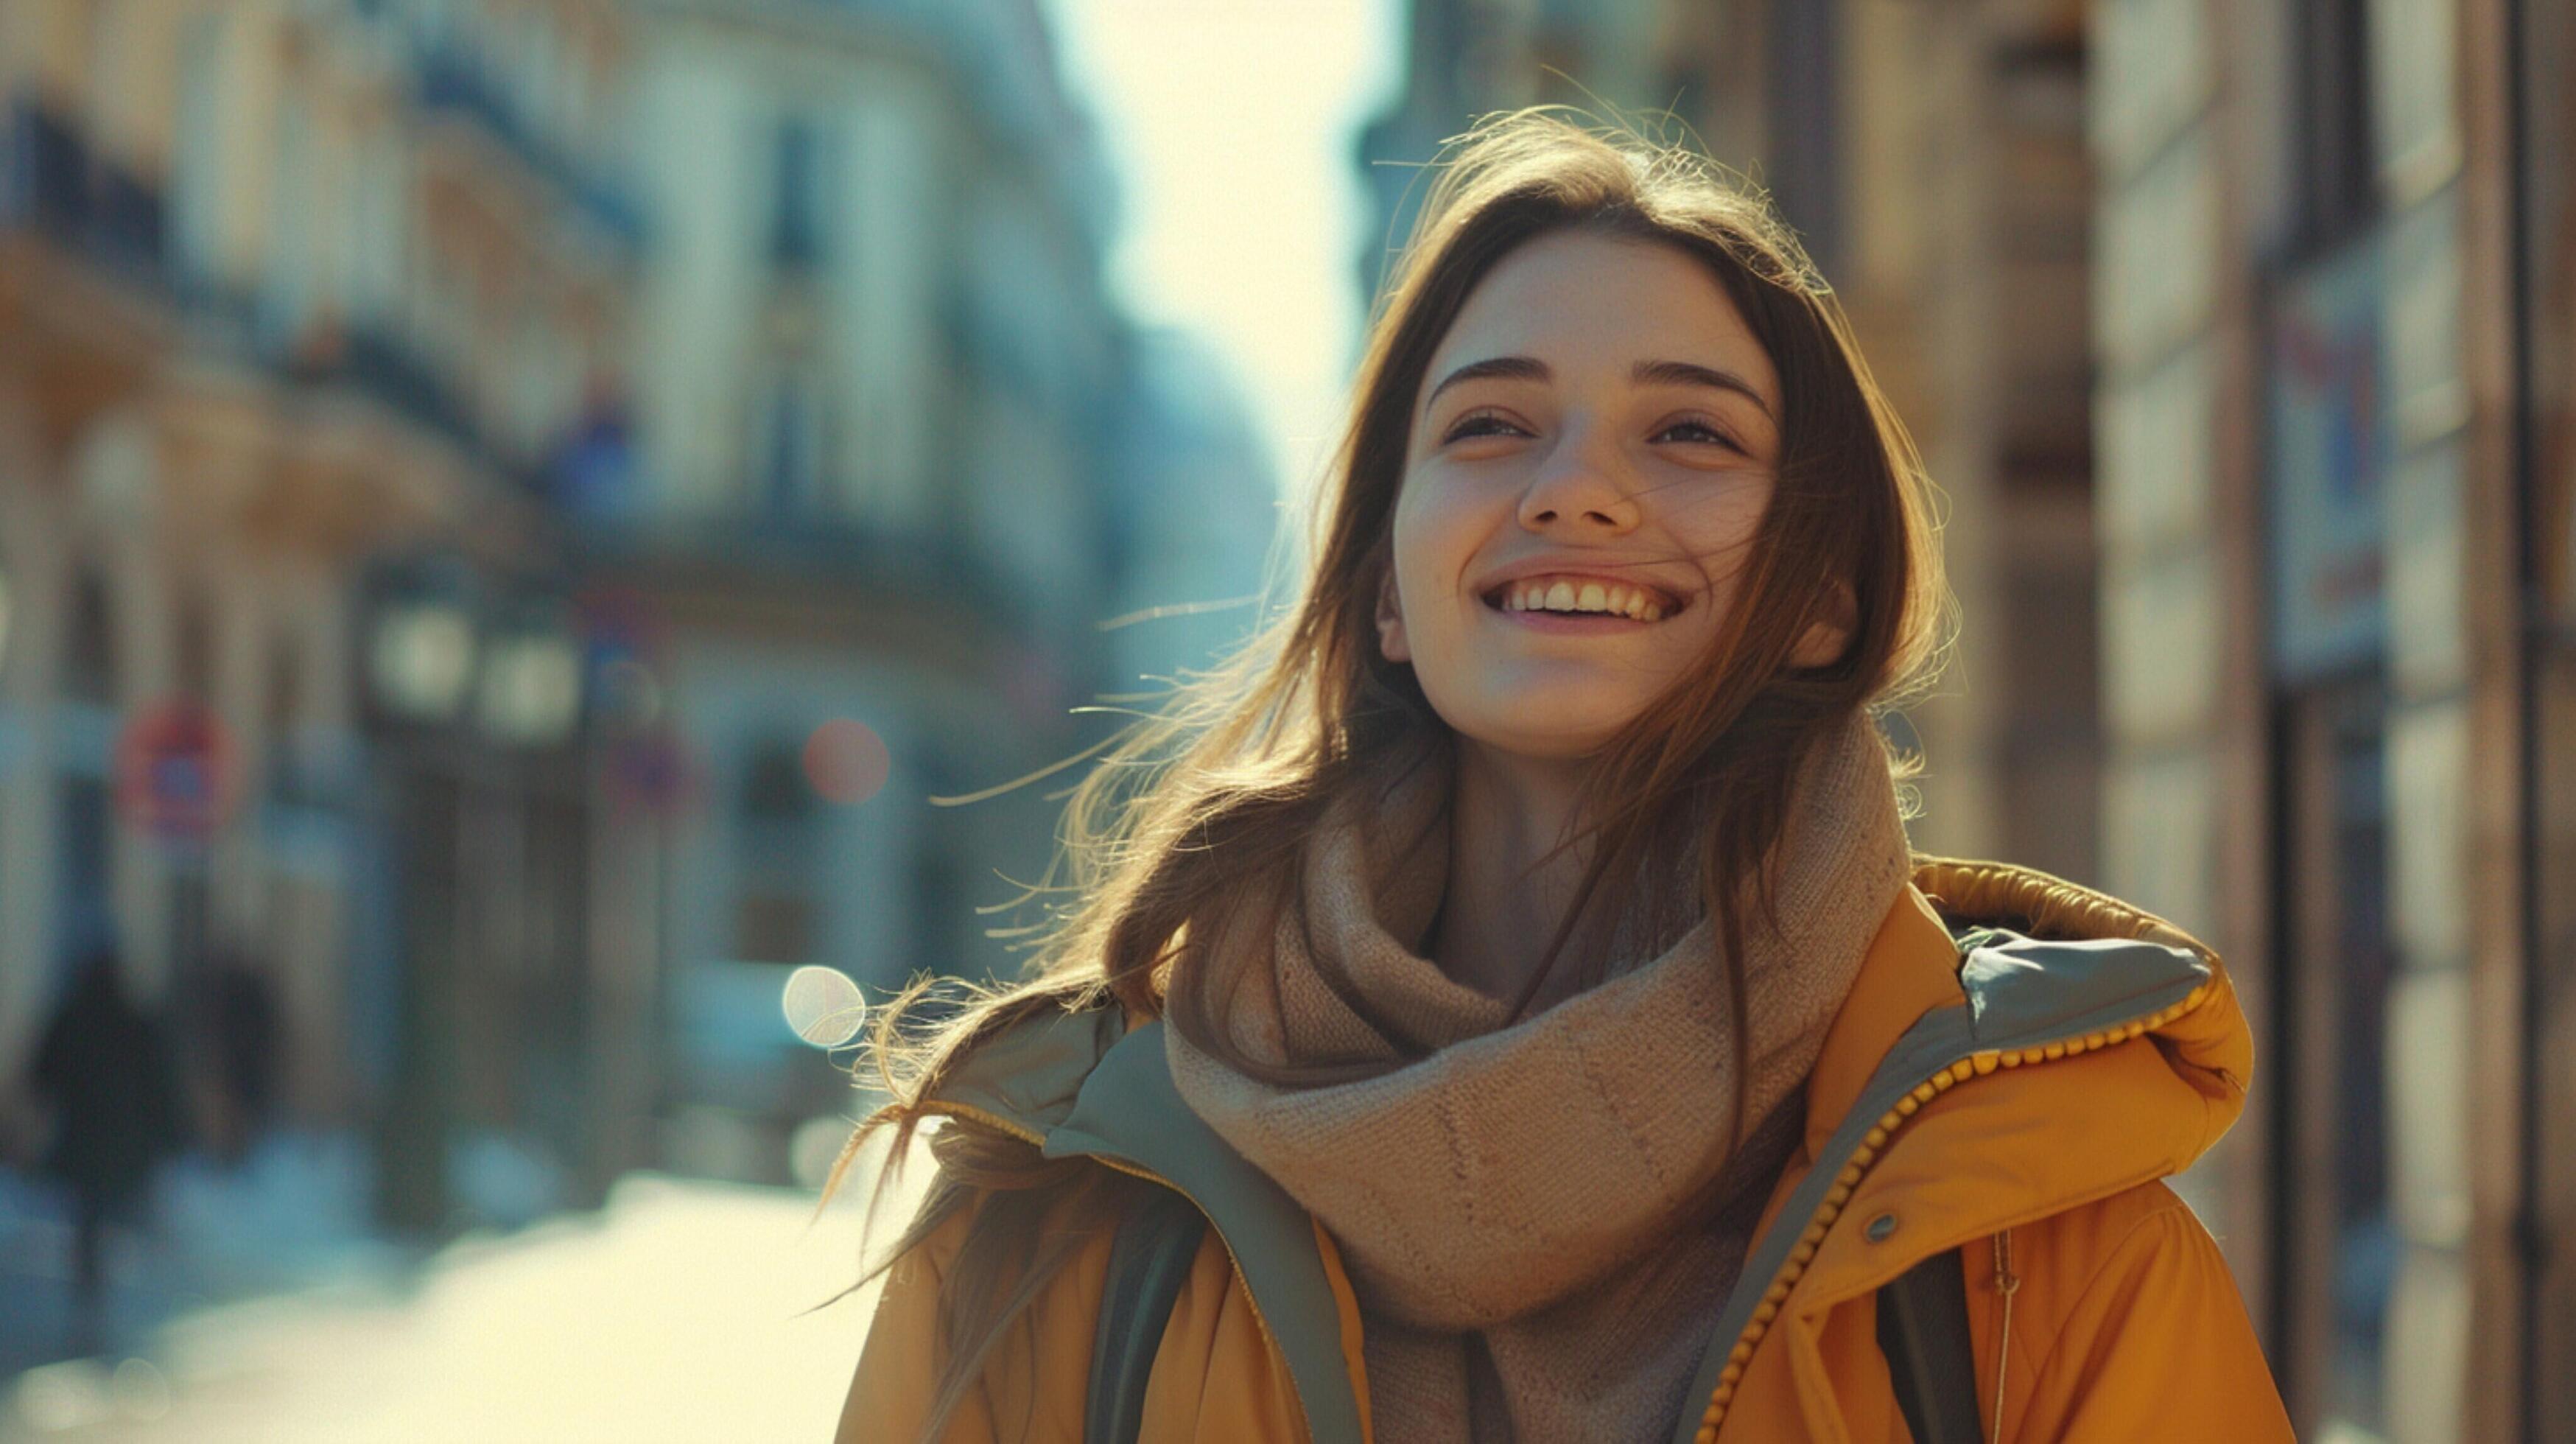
[{"x": 175, "y": 777}]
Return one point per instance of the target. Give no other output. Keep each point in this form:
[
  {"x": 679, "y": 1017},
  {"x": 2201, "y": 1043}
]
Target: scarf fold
[{"x": 1526, "y": 1213}]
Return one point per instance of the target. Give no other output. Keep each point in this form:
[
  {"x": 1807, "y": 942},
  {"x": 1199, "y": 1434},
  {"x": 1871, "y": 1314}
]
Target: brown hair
[{"x": 1197, "y": 811}]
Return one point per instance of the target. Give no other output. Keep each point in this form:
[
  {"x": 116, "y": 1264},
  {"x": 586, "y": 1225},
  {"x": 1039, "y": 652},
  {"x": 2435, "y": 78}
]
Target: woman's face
[{"x": 1595, "y": 442}]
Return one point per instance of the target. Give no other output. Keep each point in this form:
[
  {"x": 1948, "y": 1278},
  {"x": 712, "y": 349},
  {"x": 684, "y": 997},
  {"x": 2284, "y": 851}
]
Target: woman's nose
[{"x": 1579, "y": 492}]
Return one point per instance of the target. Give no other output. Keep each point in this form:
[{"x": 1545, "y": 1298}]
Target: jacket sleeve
[
  {"x": 1032, "y": 1385},
  {"x": 2156, "y": 1345},
  {"x": 890, "y": 1396}
]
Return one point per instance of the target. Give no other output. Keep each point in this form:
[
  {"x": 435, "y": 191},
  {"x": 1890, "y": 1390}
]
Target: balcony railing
[
  {"x": 51, "y": 182},
  {"x": 454, "y": 83}
]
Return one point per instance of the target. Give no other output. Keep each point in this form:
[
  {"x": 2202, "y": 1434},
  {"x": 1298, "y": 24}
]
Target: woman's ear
[
  {"x": 1390, "y": 621},
  {"x": 1825, "y": 639}
]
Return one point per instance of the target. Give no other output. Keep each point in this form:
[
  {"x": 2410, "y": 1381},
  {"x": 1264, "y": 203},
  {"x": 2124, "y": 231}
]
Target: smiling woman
[
  {"x": 1569, "y": 463},
  {"x": 1504, "y": 1003}
]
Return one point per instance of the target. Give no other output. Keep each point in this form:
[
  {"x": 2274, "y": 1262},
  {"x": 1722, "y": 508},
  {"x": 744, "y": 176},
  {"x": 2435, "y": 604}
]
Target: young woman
[{"x": 1505, "y": 1005}]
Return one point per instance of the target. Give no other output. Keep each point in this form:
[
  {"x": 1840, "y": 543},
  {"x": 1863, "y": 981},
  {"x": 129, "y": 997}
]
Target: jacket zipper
[
  {"x": 1034, "y": 1139},
  {"x": 1874, "y": 1146}
]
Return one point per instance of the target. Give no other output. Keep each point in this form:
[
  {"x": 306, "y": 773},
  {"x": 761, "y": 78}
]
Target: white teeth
[{"x": 1569, "y": 596}]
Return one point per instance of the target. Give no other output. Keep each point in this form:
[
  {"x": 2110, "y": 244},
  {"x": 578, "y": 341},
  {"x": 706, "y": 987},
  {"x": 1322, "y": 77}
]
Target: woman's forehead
[{"x": 1584, "y": 304}]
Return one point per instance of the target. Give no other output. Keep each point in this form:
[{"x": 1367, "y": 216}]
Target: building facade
[
  {"x": 1196, "y": 514},
  {"x": 2333, "y": 337},
  {"x": 304, "y": 307},
  {"x": 876, "y": 377}
]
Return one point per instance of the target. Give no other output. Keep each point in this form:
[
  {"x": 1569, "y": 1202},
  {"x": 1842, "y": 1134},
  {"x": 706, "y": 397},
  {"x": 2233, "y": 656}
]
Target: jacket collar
[
  {"x": 1130, "y": 1114},
  {"x": 1911, "y": 968},
  {"x": 1082, "y": 1083}
]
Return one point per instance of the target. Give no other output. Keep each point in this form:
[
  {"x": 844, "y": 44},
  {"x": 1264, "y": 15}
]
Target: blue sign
[{"x": 2330, "y": 455}]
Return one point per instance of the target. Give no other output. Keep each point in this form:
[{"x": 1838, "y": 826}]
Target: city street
[
  {"x": 676, "y": 1312},
  {"x": 589, "y": 587}
]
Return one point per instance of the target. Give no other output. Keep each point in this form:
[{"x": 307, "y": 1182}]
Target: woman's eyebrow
[
  {"x": 1518, "y": 368},
  {"x": 1645, "y": 373},
  {"x": 1687, "y": 373}
]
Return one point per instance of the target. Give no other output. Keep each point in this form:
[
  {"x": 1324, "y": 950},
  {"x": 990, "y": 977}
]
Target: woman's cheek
[{"x": 1433, "y": 545}]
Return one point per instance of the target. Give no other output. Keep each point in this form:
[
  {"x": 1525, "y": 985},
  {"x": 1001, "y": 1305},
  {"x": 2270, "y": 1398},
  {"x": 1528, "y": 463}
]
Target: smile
[{"x": 1573, "y": 595}]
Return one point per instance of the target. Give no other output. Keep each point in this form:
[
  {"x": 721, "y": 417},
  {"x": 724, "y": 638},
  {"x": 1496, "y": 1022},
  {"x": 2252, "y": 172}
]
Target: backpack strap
[
  {"x": 1923, "y": 1330},
  {"x": 1148, "y": 1261}
]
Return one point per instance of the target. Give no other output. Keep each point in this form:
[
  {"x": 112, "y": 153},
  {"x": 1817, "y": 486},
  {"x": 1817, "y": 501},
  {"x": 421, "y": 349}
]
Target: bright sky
[{"x": 1233, "y": 126}]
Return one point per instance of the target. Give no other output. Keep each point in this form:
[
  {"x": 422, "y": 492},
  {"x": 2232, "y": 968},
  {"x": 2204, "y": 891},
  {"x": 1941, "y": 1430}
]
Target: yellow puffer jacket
[{"x": 2012, "y": 1095}]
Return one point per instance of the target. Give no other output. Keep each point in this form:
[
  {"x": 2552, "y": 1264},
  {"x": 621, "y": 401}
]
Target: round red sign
[{"x": 174, "y": 771}]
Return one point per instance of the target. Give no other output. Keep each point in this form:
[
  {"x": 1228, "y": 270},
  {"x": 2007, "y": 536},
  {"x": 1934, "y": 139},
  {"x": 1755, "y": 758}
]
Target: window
[
  {"x": 791, "y": 458},
  {"x": 2330, "y": 149},
  {"x": 796, "y": 221}
]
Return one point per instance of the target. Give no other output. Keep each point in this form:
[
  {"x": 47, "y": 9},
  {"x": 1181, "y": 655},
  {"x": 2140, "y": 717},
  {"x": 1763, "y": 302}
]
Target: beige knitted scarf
[{"x": 1526, "y": 1212}]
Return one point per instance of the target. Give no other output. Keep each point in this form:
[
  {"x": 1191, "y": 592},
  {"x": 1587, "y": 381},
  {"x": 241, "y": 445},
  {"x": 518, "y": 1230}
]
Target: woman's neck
[{"x": 1507, "y": 895}]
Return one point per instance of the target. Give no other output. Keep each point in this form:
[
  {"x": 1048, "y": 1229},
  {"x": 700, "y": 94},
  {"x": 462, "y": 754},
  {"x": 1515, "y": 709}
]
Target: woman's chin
[{"x": 1558, "y": 740}]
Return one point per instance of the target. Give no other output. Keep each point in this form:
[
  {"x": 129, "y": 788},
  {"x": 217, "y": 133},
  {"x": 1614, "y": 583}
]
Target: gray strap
[
  {"x": 1923, "y": 1330},
  {"x": 1148, "y": 1261}
]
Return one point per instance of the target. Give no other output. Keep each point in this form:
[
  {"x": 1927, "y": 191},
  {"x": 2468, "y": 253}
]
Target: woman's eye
[
  {"x": 1480, "y": 423},
  {"x": 1700, "y": 432}
]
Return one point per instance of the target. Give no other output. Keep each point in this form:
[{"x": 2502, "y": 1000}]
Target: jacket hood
[{"x": 2041, "y": 957}]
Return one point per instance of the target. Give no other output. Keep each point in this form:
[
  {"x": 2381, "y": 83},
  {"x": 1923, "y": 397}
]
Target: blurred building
[
  {"x": 288, "y": 293},
  {"x": 1196, "y": 511},
  {"x": 568, "y": 481},
  {"x": 2332, "y": 332},
  {"x": 2295, "y": 668},
  {"x": 877, "y": 386}
]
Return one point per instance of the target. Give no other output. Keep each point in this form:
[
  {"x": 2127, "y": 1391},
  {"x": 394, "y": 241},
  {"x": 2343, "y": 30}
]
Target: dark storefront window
[{"x": 2329, "y": 449}]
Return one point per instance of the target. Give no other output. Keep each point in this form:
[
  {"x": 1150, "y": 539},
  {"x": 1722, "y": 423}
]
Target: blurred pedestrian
[
  {"x": 1509, "y": 1005},
  {"x": 105, "y": 1068}
]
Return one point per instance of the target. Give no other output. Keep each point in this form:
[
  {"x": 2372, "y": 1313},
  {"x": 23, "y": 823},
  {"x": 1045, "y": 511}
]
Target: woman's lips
[{"x": 1572, "y": 623}]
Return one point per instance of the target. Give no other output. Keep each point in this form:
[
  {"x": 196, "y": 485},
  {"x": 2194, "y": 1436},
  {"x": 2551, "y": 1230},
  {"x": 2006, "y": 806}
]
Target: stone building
[
  {"x": 2333, "y": 335},
  {"x": 606, "y": 467},
  {"x": 300, "y": 308},
  {"x": 877, "y": 386}
]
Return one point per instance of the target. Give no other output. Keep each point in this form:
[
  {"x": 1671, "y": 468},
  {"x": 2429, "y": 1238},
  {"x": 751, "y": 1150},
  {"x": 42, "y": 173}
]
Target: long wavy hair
[{"x": 1195, "y": 812}]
